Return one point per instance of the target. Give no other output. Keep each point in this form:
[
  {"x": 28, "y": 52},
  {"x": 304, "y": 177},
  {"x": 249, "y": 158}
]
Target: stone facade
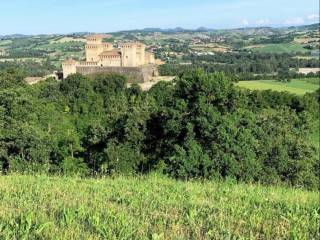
[
  {"x": 135, "y": 74},
  {"x": 129, "y": 58}
]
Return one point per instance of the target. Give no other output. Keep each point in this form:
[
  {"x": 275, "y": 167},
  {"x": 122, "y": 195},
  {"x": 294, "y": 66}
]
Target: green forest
[
  {"x": 246, "y": 65},
  {"x": 200, "y": 126}
]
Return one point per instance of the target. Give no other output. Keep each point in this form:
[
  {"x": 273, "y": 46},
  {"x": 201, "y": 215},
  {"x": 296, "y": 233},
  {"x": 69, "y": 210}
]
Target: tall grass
[{"x": 152, "y": 207}]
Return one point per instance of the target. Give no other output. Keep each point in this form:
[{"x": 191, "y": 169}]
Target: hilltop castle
[{"x": 129, "y": 58}]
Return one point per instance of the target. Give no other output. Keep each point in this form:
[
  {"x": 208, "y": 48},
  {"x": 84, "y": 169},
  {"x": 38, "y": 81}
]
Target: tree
[{"x": 11, "y": 78}]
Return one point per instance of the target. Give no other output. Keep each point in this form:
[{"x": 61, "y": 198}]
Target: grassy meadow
[
  {"x": 152, "y": 207},
  {"x": 296, "y": 86}
]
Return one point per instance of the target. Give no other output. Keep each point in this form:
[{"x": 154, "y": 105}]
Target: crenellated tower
[
  {"x": 96, "y": 46},
  {"x": 129, "y": 54},
  {"x": 69, "y": 67}
]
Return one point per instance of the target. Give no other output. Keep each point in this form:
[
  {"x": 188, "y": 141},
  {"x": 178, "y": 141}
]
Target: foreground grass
[
  {"x": 40, "y": 207},
  {"x": 296, "y": 86}
]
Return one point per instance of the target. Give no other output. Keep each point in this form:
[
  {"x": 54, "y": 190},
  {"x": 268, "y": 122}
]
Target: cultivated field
[
  {"x": 21, "y": 59},
  {"x": 40, "y": 207},
  {"x": 296, "y": 86},
  {"x": 5, "y": 42},
  {"x": 212, "y": 47},
  {"x": 309, "y": 70},
  {"x": 67, "y": 39},
  {"x": 279, "y": 48}
]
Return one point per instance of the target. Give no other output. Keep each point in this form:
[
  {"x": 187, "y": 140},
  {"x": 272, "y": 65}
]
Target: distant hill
[
  {"x": 167, "y": 30},
  {"x": 253, "y": 31},
  {"x": 315, "y": 26},
  {"x": 204, "y": 29},
  {"x": 14, "y": 36},
  {"x": 249, "y": 30}
]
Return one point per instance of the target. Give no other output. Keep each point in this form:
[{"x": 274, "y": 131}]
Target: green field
[
  {"x": 280, "y": 48},
  {"x": 152, "y": 207},
  {"x": 5, "y": 42},
  {"x": 296, "y": 86}
]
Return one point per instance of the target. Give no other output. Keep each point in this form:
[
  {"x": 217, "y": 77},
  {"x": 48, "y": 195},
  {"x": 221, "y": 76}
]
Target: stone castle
[{"x": 129, "y": 58}]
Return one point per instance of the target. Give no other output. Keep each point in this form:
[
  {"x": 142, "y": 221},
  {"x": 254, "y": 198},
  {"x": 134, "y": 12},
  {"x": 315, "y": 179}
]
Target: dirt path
[{"x": 147, "y": 85}]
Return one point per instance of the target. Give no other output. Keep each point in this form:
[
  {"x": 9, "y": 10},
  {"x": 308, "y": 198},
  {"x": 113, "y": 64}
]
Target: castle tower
[
  {"x": 95, "y": 46},
  {"x": 129, "y": 54},
  {"x": 141, "y": 52},
  {"x": 149, "y": 58},
  {"x": 69, "y": 67}
]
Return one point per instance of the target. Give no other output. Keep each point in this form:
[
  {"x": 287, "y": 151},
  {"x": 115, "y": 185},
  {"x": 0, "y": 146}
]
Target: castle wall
[
  {"x": 132, "y": 54},
  {"x": 134, "y": 74},
  {"x": 112, "y": 61},
  {"x": 133, "y": 60},
  {"x": 149, "y": 58},
  {"x": 94, "y": 40},
  {"x": 107, "y": 47}
]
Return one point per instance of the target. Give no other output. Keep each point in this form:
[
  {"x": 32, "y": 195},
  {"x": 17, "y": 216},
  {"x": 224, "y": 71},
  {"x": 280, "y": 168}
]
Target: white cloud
[
  {"x": 294, "y": 21},
  {"x": 245, "y": 22},
  {"x": 263, "y": 22},
  {"x": 313, "y": 17}
]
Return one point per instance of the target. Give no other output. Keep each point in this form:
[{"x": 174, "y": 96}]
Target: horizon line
[{"x": 167, "y": 29}]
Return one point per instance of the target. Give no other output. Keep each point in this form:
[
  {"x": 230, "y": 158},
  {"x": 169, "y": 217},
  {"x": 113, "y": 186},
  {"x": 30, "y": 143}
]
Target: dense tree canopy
[
  {"x": 245, "y": 65},
  {"x": 199, "y": 126}
]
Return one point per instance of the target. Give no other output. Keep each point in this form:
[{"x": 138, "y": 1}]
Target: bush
[{"x": 74, "y": 166}]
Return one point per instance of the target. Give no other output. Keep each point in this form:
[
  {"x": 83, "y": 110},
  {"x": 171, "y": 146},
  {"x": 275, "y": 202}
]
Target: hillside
[
  {"x": 169, "y": 45},
  {"x": 152, "y": 208}
]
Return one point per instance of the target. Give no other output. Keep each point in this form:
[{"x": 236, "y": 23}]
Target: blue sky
[{"x": 66, "y": 16}]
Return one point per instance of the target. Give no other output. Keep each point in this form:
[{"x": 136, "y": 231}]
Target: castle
[{"x": 129, "y": 58}]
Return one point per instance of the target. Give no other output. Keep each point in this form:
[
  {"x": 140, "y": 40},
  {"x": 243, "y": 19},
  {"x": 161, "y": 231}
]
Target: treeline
[
  {"x": 245, "y": 65},
  {"x": 264, "y": 62},
  {"x": 283, "y": 74},
  {"x": 29, "y": 68},
  {"x": 200, "y": 126},
  {"x": 39, "y": 47}
]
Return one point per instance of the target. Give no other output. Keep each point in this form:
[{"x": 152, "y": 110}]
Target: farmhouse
[
  {"x": 2, "y": 53},
  {"x": 129, "y": 58}
]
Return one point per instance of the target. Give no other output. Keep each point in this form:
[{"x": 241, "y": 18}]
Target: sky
[{"x": 68, "y": 16}]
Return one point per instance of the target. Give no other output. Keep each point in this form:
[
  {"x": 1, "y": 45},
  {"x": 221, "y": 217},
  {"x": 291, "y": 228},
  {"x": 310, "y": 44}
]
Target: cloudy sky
[{"x": 66, "y": 16}]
